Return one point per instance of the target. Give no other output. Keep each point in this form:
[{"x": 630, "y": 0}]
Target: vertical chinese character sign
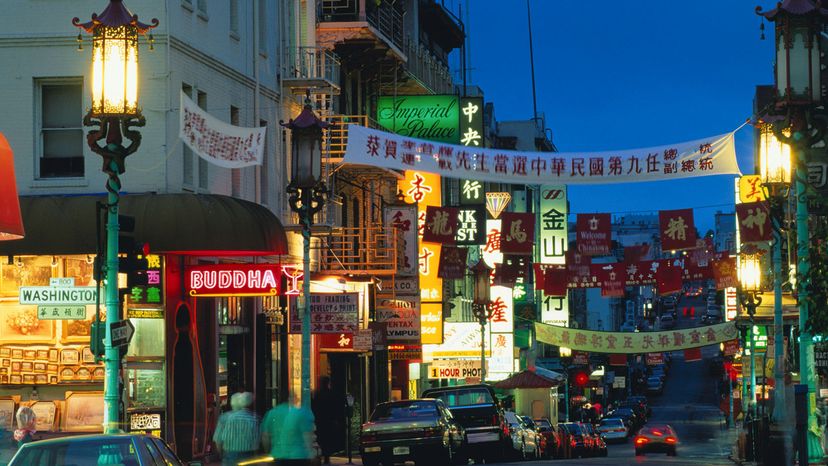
[
  {"x": 552, "y": 248},
  {"x": 518, "y": 235},
  {"x": 754, "y": 222},
  {"x": 404, "y": 219},
  {"x": 153, "y": 292},
  {"x": 677, "y": 229},
  {"x": 471, "y": 122}
]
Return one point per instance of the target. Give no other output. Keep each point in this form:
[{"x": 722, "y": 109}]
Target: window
[
  {"x": 188, "y": 153},
  {"x": 202, "y": 6},
  {"x": 234, "y": 18},
  {"x": 203, "y": 169},
  {"x": 263, "y": 27},
  {"x": 60, "y": 131},
  {"x": 265, "y": 171},
  {"x": 235, "y": 173}
]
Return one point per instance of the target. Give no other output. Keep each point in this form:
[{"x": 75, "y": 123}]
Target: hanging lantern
[
  {"x": 306, "y": 147},
  {"x": 774, "y": 160},
  {"x": 750, "y": 272},
  {"x": 482, "y": 283}
]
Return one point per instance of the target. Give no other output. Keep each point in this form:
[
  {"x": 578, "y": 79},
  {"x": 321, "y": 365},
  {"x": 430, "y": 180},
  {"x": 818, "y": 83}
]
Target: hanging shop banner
[
  {"x": 233, "y": 280},
  {"x": 724, "y": 272},
  {"x": 471, "y": 121},
  {"x": 554, "y": 281},
  {"x": 452, "y": 263},
  {"x": 490, "y": 252},
  {"x": 634, "y": 342},
  {"x": 153, "y": 292},
  {"x": 402, "y": 318},
  {"x": 618, "y": 360},
  {"x": 580, "y": 358},
  {"x": 471, "y": 223},
  {"x": 637, "y": 252},
  {"x": 431, "y": 323},
  {"x": 501, "y": 307},
  {"x": 731, "y": 347},
  {"x": 11, "y": 222},
  {"x": 424, "y": 189},
  {"x": 461, "y": 340},
  {"x": 754, "y": 222},
  {"x": 472, "y": 192},
  {"x": 714, "y": 155},
  {"x": 554, "y": 239},
  {"x": 611, "y": 277},
  {"x": 655, "y": 359},
  {"x": 578, "y": 267},
  {"x": 440, "y": 225},
  {"x": 454, "y": 368},
  {"x": 432, "y": 117},
  {"x": 750, "y": 189},
  {"x": 677, "y": 229},
  {"x": 404, "y": 219},
  {"x": 330, "y": 313},
  {"x": 643, "y": 272},
  {"x": 692, "y": 354},
  {"x": 555, "y": 310},
  {"x": 518, "y": 234},
  {"x": 594, "y": 234},
  {"x": 217, "y": 142},
  {"x": 669, "y": 279}
]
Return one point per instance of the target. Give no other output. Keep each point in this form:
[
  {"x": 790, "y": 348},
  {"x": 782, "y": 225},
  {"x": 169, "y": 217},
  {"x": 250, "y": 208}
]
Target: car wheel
[{"x": 537, "y": 452}]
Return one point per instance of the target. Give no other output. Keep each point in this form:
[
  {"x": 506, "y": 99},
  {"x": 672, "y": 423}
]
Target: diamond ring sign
[
  {"x": 714, "y": 155},
  {"x": 634, "y": 342}
]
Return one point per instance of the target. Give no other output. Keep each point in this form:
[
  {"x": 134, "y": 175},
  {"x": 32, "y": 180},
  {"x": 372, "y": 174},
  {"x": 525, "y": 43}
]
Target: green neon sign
[{"x": 433, "y": 117}]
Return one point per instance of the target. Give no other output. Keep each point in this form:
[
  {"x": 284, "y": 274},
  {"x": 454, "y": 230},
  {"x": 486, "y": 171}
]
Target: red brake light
[
  {"x": 657, "y": 433},
  {"x": 670, "y": 440},
  {"x": 641, "y": 440}
]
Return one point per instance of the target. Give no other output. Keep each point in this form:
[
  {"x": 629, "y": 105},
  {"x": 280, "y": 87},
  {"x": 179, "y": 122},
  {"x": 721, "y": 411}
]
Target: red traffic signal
[{"x": 581, "y": 379}]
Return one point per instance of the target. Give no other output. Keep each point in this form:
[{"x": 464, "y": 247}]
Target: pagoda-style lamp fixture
[
  {"x": 114, "y": 112},
  {"x": 566, "y": 361},
  {"x": 480, "y": 307},
  {"x": 774, "y": 162},
  {"x": 750, "y": 282},
  {"x": 306, "y": 192}
]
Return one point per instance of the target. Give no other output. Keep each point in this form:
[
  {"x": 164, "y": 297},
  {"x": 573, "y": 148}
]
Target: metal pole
[
  {"x": 566, "y": 393},
  {"x": 306, "y": 317},
  {"x": 730, "y": 399},
  {"x": 752, "y": 369},
  {"x": 778, "y": 330},
  {"x": 482, "y": 350},
  {"x": 745, "y": 378},
  {"x": 111, "y": 356}
]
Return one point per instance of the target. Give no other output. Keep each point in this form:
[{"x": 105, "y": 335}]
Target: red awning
[
  {"x": 531, "y": 379},
  {"x": 11, "y": 223}
]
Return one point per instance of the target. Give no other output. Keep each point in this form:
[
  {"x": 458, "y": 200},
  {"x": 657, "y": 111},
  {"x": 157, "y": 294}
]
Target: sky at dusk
[{"x": 622, "y": 75}]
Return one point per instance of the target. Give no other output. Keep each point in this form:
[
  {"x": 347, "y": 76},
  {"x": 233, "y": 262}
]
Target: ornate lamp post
[
  {"x": 566, "y": 360},
  {"x": 775, "y": 171},
  {"x": 750, "y": 273},
  {"x": 480, "y": 307},
  {"x": 797, "y": 28},
  {"x": 307, "y": 196},
  {"x": 114, "y": 111}
]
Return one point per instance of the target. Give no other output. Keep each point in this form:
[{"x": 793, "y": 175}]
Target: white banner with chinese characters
[
  {"x": 218, "y": 142},
  {"x": 714, "y": 155}
]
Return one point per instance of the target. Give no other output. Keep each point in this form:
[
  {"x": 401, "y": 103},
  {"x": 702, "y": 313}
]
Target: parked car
[
  {"x": 656, "y": 439},
  {"x": 556, "y": 445},
  {"x": 637, "y": 409},
  {"x": 599, "y": 446},
  {"x": 642, "y": 400},
  {"x": 126, "y": 449},
  {"x": 580, "y": 442},
  {"x": 476, "y": 410},
  {"x": 659, "y": 371},
  {"x": 628, "y": 415},
  {"x": 710, "y": 319},
  {"x": 667, "y": 322},
  {"x": 419, "y": 430},
  {"x": 613, "y": 429},
  {"x": 525, "y": 438},
  {"x": 628, "y": 326},
  {"x": 655, "y": 386}
]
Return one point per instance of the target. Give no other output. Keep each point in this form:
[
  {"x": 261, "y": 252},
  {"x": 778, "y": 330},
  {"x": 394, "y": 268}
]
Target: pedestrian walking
[
  {"x": 26, "y": 422},
  {"x": 288, "y": 434},
  {"x": 237, "y": 433},
  {"x": 328, "y": 411}
]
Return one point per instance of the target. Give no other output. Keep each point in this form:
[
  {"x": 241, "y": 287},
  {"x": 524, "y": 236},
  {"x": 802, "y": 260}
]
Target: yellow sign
[
  {"x": 635, "y": 342},
  {"x": 750, "y": 189},
  {"x": 431, "y": 323}
]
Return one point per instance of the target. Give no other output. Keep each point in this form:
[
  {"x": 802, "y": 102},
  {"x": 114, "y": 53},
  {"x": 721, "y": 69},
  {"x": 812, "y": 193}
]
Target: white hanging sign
[
  {"x": 218, "y": 142},
  {"x": 713, "y": 155}
]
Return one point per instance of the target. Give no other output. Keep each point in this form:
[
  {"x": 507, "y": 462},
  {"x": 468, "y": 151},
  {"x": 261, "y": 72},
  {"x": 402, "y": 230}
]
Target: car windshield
[
  {"x": 100, "y": 451},
  {"x": 472, "y": 396},
  {"x": 612, "y": 422},
  {"x": 512, "y": 418},
  {"x": 657, "y": 431},
  {"x": 573, "y": 429},
  {"x": 405, "y": 410},
  {"x": 543, "y": 423}
]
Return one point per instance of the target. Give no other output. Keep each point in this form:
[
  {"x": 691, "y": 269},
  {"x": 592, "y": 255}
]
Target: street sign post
[{"x": 121, "y": 333}]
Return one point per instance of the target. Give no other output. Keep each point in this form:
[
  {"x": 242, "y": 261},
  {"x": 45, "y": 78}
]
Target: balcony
[
  {"x": 338, "y": 133},
  {"x": 427, "y": 69},
  {"x": 371, "y": 250},
  {"x": 311, "y": 68},
  {"x": 343, "y": 20}
]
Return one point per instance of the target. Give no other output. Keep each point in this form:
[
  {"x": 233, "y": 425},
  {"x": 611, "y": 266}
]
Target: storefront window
[
  {"x": 148, "y": 340},
  {"x": 147, "y": 388}
]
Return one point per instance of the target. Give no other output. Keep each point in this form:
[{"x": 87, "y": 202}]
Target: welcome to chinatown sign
[
  {"x": 714, "y": 155},
  {"x": 635, "y": 342}
]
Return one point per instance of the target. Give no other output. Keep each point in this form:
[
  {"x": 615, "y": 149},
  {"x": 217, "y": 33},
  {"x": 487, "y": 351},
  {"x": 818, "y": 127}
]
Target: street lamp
[
  {"x": 306, "y": 192},
  {"x": 565, "y": 355},
  {"x": 114, "y": 111},
  {"x": 775, "y": 171},
  {"x": 750, "y": 273},
  {"x": 480, "y": 307}
]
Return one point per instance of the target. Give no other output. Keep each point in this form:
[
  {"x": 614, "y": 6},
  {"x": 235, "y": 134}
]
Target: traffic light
[
  {"x": 135, "y": 265},
  {"x": 97, "y": 334},
  {"x": 581, "y": 379}
]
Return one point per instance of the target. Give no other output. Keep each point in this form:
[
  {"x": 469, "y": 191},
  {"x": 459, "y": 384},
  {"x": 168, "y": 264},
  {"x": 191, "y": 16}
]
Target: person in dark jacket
[{"x": 327, "y": 412}]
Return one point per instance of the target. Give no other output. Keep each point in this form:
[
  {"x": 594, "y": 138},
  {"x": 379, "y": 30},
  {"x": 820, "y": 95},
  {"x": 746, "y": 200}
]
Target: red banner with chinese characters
[
  {"x": 452, "y": 263},
  {"x": 655, "y": 359},
  {"x": 754, "y": 222},
  {"x": 692, "y": 354},
  {"x": 668, "y": 278},
  {"x": 594, "y": 234},
  {"x": 554, "y": 281},
  {"x": 580, "y": 358},
  {"x": 636, "y": 253},
  {"x": 517, "y": 234},
  {"x": 578, "y": 268},
  {"x": 617, "y": 359},
  {"x": 677, "y": 229},
  {"x": 440, "y": 225},
  {"x": 611, "y": 277},
  {"x": 724, "y": 272},
  {"x": 233, "y": 280},
  {"x": 731, "y": 347}
]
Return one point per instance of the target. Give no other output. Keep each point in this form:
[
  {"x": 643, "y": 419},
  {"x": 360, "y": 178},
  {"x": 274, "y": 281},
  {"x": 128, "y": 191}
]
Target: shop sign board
[
  {"x": 52, "y": 295},
  {"x": 619, "y": 381},
  {"x": 148, "y": 313},
  {"x": 461, "y": 340},
  {"x": 554, "y": 239},
  {"x": 403, "y": 218},
  {"x": 233, "y": 280},
  {"x": 502, "y": 309},
  {"x": 402, "y": 317},
  {"x": 555, "y": 310},
  {"x": 580, "y": 358},
  {"x": 405, "y": 352},
  {"x": 502, "y": 360},
  {"x": 61, "y": 312},
  {"x": 470, "y": 225},
  {"x": 454, "y": 368},
  {"x": 431, "y": 323},
  {"x": 363, "y": 340},
  {"x": 424, "y": 190},
  {"x": 655, "y": 359},
  {"x": 431, "y": 117},
  {"x": 149, "y": 422},
  {"x": 472, "y": 192},
  {"x": 121, "y": 332},
  {"x": 471, "y": 122},
  {"x": 400, "y": 286},
  {"x": 153, "y": 291},
  {"x": 330, "y": 313}
]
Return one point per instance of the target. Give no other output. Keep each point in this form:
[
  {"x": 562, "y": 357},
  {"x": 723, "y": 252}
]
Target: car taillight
[
  {"x": 432, "y": 431},
  {"x": 368, "y": 437},
  {"x": 641, "y": 440},
  {"x": 657, "y": 433},
  {"x": 507, "y": 431},
  {"x": 572, "y": 441},
  {"x": 671, "y": 440}
]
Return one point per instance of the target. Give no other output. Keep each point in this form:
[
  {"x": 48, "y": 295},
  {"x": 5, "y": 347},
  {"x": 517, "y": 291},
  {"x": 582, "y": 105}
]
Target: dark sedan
[
  {"x": 421, "y": 430},
  {"x": 123, "y": 449}
]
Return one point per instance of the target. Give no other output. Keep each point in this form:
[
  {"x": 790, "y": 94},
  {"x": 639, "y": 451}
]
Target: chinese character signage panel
[
  {"x": 677, "y": 229},
  {"x": 404, "y": 219},
  {"x": 518, "y": 235},
  {"x": 440, "y": 225},
  {"x": 430, "y": 117},
  {"x": 472, "y": 192},
  {"x": 594, "y": 234},
  {"x": 233, "y": 280},
  {"x": 554, "y": 238},
  {"x": 453, "y": 263},
  {"x": 153, "y": 292},
  {"x": 424, "y": 190},
  {"x": 502, "y": 309},
  {"x": 471, "y": 225},
  {"x": 330, "y": 313},
  {"x": 491, "y": 250},
  {"x": 750, "y": 189},
  {"x": 471, "y": 122},
  {"x": 555, "y": 310},
  {"x": 754, "y": 222}
]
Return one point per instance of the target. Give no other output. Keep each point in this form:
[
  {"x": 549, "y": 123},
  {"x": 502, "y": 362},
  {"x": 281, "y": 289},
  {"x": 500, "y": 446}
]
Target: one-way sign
[{"x": 121, "y": 333}]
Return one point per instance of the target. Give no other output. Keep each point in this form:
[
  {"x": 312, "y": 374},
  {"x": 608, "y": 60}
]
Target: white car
[
  {"x": 525, "y": 438},
  {"x": 613, "y": 429}
]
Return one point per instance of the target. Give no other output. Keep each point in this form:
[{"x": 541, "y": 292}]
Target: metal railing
[
  {"x": 312, "y": 63},
  {"x": 387, "y": 18},
  {"x": 338, "y": 133},
  {"x": 426, "y": 67},
  {"x": 362, "y": 250}
]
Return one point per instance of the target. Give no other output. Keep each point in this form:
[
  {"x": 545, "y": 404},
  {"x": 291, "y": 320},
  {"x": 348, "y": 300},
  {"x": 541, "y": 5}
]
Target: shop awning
[
  {"x": 531, "y": 378},
  {"x": 11, "y": 223},
  {"x": 172, "y": 223}
]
